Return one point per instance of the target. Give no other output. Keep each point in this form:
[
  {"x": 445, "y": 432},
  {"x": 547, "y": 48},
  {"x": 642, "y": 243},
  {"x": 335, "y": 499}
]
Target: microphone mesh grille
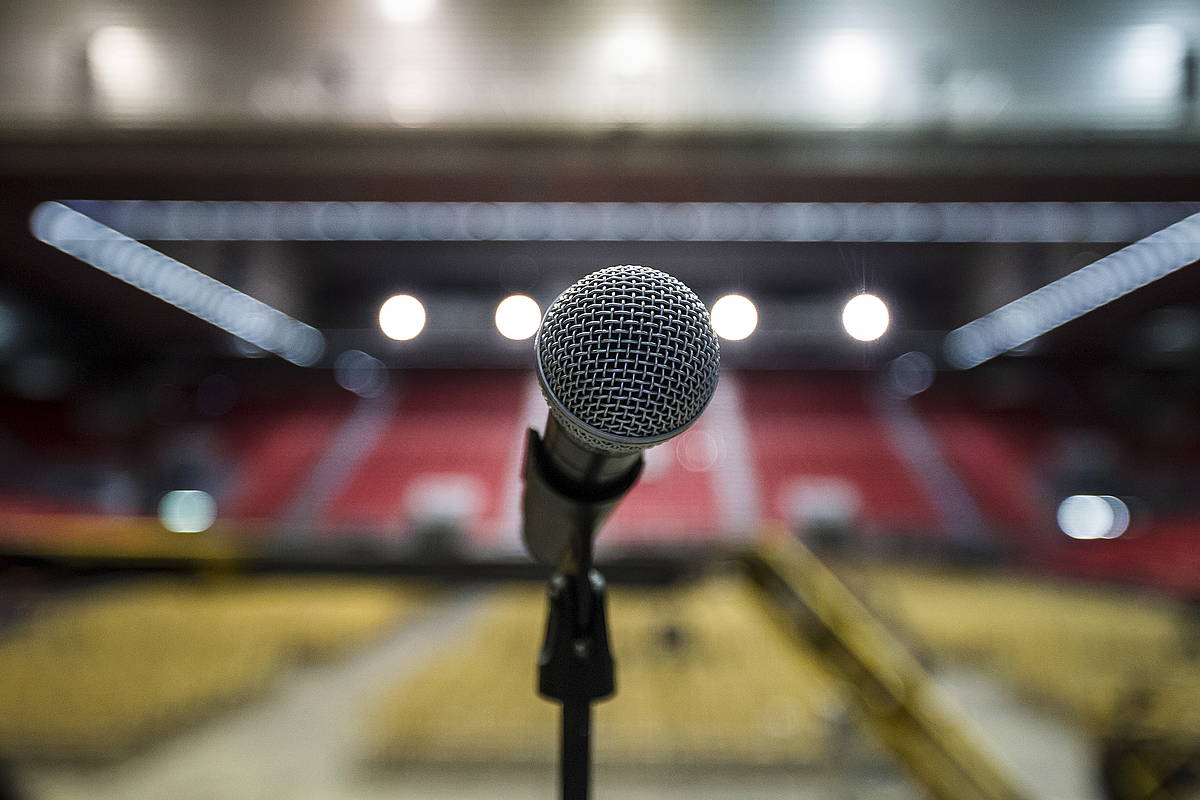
[{"x": 629, "y": 351}]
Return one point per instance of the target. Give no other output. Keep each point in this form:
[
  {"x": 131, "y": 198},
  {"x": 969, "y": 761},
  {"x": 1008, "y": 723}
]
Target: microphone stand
[{"x": 575, "y": 666}]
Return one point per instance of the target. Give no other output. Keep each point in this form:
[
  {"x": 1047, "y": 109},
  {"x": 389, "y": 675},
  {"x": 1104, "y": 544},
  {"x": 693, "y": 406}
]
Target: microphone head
[{"x": 626, "y": 358}]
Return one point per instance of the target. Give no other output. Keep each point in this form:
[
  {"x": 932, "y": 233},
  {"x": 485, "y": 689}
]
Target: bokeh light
[
  {"x": 360, "y": 373},
  {"x": 866, "y": 317},
  {"x": 518, "y": 317},
  {"x": 402, "y": 317},
  {"x": 697, "y": 451},
  {"x": 1090, "y": 516},
  {"x": 852, "y": 73},
  {"x": 124, "y": 69},
  {"x": 187, "y": 511},
  {"x": 407, "y": 11},
  {"x": 734, "y": 317},
  {"x": 909, "y": 374}
]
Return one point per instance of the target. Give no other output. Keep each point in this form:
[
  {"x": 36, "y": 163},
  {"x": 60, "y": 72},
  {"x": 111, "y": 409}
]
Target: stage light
[
  {"x": 1148, "y": 67},
  {"x": 187, "y": 511},
  {"x": 1089, "y": 516},
  {"x": 402, "y": 317},
  {"x": 851, "y": 74},
  {"x": 407, "y": 11},
  {"x": 1075, "y": 294},
  {"x": 865, "y": 317},
  {"x": 124, "y": 70},
  {"x": 518, "y": 317},
  {"x": 634, "y": 50},
  {"x": 174, "y": 282},
  {"x": 734, "y": 317},
  {"x": 237, "y": 221}
]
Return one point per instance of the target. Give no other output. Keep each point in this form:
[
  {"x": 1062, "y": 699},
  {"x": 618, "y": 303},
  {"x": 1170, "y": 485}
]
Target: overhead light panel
[
  {"x": 176, "y": 283},
  {"x": 1075, "y": 294},
  {"x": 237, "y": 221}
]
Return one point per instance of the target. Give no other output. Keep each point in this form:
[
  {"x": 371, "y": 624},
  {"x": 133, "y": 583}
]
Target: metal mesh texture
[{"x": 630, "y": 352}]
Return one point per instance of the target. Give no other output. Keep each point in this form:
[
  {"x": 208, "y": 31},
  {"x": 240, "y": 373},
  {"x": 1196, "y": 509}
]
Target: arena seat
[
  {"x": 705, "y": 678},
  {"x": 96, "y": 676}
]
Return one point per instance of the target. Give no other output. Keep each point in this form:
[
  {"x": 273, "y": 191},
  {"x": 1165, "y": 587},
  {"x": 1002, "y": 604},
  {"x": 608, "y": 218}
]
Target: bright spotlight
[
  {"x": 176, "y": 283},
  {"x": 634, "y": 50},
  {"x": 518, "y": 317},
  {"x": 187, "y": 511},
  {"x": 407, "y": 11},
  {"x": 123, "y": 67},
  {"x": 865, "y": 317},
  {"x": 852, "y": 72},
  {"x": 734, "y": 317},
  {"x": 401, "y": 317},
  {"x": 1148, "y": 62},
  {"x": 1089, "y": 516}
]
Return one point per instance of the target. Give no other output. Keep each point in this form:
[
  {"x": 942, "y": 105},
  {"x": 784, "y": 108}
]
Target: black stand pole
[{"x": 576, "y": 665}]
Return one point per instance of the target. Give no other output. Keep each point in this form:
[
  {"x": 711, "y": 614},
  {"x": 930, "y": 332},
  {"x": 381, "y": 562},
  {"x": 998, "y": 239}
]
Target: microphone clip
[{"x": 576, "y": 663}]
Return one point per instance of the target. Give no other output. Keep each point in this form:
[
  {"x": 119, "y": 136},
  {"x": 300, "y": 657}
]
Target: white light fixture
[
  {"x": 518, "y": 317},
  {"x": 1148, "y": 63},
  {"x": 123, "y": 68},
  {"x": 176, "y": 283},
  {"x": 634, "y": 49},
  {"x": 407, "y": 12},
  {"x": 734, "y": 317},
  {"x": 1090, "y": 516},
  {"x": 1075, "y": 294},
  {"x": 187, "y": 511},
  {"x": 865, "y": 317},
  {"x": 402, "y": 317},
  {"x": 238, "y": 221},
  {"x": 851, "y": 76}
]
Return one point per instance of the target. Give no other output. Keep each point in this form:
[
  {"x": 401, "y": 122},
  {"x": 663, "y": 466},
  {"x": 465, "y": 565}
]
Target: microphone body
[
  {"x": 626, "y": 359},
  {"x": 569, "y": 492}
]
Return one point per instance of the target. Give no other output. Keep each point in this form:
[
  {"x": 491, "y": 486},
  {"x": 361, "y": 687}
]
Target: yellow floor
[
  {"x": 1085, "y": 650},
  {"x": 97, "y": 676},
  {"x": 731, "y": 691}
]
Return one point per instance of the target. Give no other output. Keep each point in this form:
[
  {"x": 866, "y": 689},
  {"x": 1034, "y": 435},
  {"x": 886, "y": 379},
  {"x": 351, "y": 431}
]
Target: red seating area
[
  {"x": 675, "y": 501},
  {"x": 452, "y": 442},
  {"x": 461, "y": 428},
  {"x": 272, "y": 447},
  {"x": 1164, "y": 554},
  {"x": 998, "y": 458},
  {"x": 824, "y": 427}
]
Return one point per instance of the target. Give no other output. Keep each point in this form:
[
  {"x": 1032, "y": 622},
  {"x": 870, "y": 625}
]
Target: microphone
[{"x": 626, "y": 359}]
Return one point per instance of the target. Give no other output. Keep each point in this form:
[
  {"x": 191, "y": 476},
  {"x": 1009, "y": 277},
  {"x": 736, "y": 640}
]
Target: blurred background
[{"x": 269, "y": 279}]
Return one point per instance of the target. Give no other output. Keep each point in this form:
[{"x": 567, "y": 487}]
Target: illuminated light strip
[
  {"x": 1075, "y": 294},
  {"x": 174, "y": 220},
  {"x": 178, "y": 284}
]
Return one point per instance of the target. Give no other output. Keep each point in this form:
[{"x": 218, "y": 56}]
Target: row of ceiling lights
[{"x": 402, "y": 317}]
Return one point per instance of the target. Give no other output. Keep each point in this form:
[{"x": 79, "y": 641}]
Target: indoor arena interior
[{"x": 629, "y": 399}]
